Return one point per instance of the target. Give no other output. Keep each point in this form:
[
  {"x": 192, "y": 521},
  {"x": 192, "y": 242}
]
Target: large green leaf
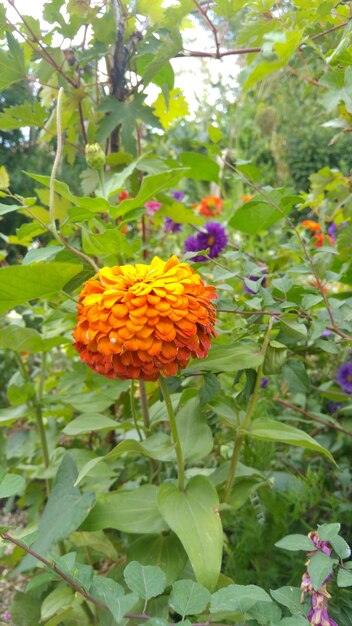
[
  {"x": 201, "y": 166},
  {"x": 259, "y": 214},
  {"x": 319, "y": 568},
  {"x": 271, "y": 430},
  {"x": 228, "y": 358},
  {"x": 89, "y": 422},
  {"x": 12, "y": 65},
  {"x": 11, "y": 485},
  {"x": 95, "y": 205},
  {"x": 64, "y": 512},
  {"x": 194, "y": 432},
  {"x": 237, "y": 599},
  {"x": 22, "y": 339},
  {"x": 296, "y": 542},
  {"x": 193, "y": 515},
  {"x": 26, "y": 114},
  {"x": 133, "y": 511},
  {"x": 112, "y": 594},
  {"x": 19, "y": 284},
  {"x": 151, "y": 185},
  {"x": 164, "y": 550}
]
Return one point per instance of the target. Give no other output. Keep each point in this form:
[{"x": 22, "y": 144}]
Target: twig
[
  {"x": 289, "y": 405},
  {"x": 212, "y": 27},
  {"x": 307, "y": 79}
]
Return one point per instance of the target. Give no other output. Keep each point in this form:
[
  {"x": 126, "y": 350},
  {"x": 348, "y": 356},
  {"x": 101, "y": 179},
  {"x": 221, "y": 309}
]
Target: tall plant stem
[
  {"x": 247, "y": 418},
  {"x": 176, "y": 439},
  {"x": 133, "y": 411},
  {"x": 144, "y": 405}
]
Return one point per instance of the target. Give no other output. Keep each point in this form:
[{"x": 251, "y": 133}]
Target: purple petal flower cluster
[
  {"x": 264, "y": 382},
  {"x": 333, "y": 407},
  {"x": 6, "y": 616},
  {"x": 255, "y": 279},
  {"x": 333, "y": 229},
  {"x": 178, "y": 195},
  {"x": 344, "y": 377},
  {"x": 318, "y": 614},
  {"x": 171, "y": 226},
  {"x": 214, "y": 237}
]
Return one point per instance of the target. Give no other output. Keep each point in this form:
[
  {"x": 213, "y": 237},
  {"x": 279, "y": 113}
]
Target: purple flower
[
  {"x": 214, "y": 237},
  {"x": 178, "y": 195},
  {"x": 333, "y": 229},
  {"x": 6, "y": 616},
  {"x": 326, "y": 333},
  {"x": 344, "y": 377},
  {"x": 333, "y": 407},
  {"x": 264, "y": 382},
  {"x": 171, "y": 226},
  {"x": 318, "y": 614},
  {"x": 254, "y": 279}
]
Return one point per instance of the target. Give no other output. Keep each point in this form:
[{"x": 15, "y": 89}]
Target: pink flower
[
  {"x": 152, "y": 207},
  {"x": 6, "y": 616}
]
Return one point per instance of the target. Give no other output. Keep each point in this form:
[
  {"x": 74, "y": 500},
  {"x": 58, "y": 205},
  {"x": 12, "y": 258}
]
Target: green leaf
[
  {"x": 291, "y": 327},
  {"x": 327, "y": 532},
  {"x": 296, "y": 542},
  {"x": 296, "y": 376},
  {"x": 148, "y": 581},
  {"x": 344, "y": 578},
  {"x": 170, "y": 45},
  {"x": 290, "y": 597},
  {"x": 182, "y": 215},
  {"x": 215, "y": 134},
  {"x": 339, "y": 89},
  {"x": 150, "y": 187},
  {"x": 258, "y": 214},
  {"x": 111, "y": 593},
  {"x": 194, "y": 433},
  {"x": 319, "y": 567},
  {"x": 134, "y": 511},
  {"x": 64, "y": 512},
  {"x": 341, "y": 547},
  {"x": 11, "y": 485},
  {"x": 61, "y": 598},
  {"x": 89, "y": 422},
  {"x": 188, "y": 597},
  {"x": 22, "y": 339},
  {"x": 110, "y": 242},
  {"x": 271, "y": 430},
  {"x": 125, "y": 114},
  {"x": 193, "y": 516},
  {"x": 19, "y": 284},
  {"x": 201, "y": 166},
  {"x": 12, "y": 66},
  {"x": 237, "y": 599},
  {"x": 26, "y": 114},
  {"x": 164, "y": 550},
  {"x": 228, "y": 358},
  {"x": 4, "y": 179},
  {"x": 8, "y": 208}
]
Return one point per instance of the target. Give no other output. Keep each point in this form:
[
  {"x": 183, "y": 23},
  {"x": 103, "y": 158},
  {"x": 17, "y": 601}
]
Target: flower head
[
  {"x": 214, "y": 237},
  {"x": 144, "y": 321},
  {"x": 210, "y": 206},
  {"x": 171, "y": 226},
  {"x": 321, "y": 239},
  {"x": 152, "y": 207},
  {"x": 344, "y": 377},
  {"x": 247, "y": 198},
  {"x": 178, "y": 195},
  {"x": 264, "y": 382},
  {"x": 6, "y": 616},
  {"x": 311, "y": 225},
  {"x": 95, "y": 156},
  {"x": 333, "y": 229},
  {"x": 123, "y": 195}
]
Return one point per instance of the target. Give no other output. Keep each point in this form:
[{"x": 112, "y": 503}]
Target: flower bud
[{"x": 95, "y": 156}]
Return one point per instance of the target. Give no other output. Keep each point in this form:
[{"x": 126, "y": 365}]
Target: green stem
[
  {"x": 176, "y": 439},
  {"x": 133, "y": 411},
  {"x": 101, "y": 176},
  {"x": 144, "y": 405},
  {"x": 247, "y": 418}
]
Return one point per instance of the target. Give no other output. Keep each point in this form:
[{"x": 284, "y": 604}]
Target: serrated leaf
[
  {"x": 175, "y": 109},
  {"x": 148, "y": 581}
]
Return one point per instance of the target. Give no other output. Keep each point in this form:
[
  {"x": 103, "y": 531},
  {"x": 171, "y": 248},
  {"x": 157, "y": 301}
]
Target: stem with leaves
[
  {"x": 247, "y": 418},
  {"x": 174, "y": 431}
]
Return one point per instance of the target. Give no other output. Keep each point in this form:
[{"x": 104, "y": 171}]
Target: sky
[{"x": 206, "y": 70}]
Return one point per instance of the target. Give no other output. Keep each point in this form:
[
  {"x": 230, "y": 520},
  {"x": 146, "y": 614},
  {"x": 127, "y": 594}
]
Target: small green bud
[{"x": 95, "y": 156}]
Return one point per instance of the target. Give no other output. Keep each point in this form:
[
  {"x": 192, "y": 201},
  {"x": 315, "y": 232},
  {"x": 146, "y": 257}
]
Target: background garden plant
[{"x": 181, "y": 469}]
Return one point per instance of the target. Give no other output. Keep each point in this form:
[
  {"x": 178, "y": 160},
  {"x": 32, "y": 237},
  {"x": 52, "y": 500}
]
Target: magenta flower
[
  {"x": 6, "y": 616},
  {"x": 344, "y": 377},
  {"x": 152, "y": 207},
  {"x": 213, "y": 236},
  {"x": 253, "y": 278}
]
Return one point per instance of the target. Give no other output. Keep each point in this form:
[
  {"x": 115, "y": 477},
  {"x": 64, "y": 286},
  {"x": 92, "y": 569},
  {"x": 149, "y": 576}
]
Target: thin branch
[
  {"x": 314, "y": 418},
  {"x": 212, "y": 27},
  {"x": 306, "y": 79}
]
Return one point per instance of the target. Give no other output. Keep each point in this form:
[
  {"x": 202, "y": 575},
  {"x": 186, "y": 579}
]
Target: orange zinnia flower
[
  {"x": 144, "y": 321},
  {"x": 314, "y": 226},
  {"x": 320, "y": 240},
  {"x": 209, "y": 206},
  {"x": 247, "y": 198}
]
